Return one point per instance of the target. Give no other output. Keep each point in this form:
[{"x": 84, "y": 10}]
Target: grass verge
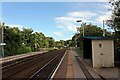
[{"x": 79, "y": 52}]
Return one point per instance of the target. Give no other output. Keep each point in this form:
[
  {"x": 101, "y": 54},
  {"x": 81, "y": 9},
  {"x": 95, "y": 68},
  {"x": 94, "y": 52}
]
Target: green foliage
[
  {"x": 51, "y": 42},
  {"x": 115, "y": 17},
  {"x": 25, "y": 41},
  {"x": 80, "y": 52},
  {"x": 60, "y": 44},
  {"x": 26, "y": 49},
  {"x": 90, "y": 30},
  {"x": 115, "y": 24}
]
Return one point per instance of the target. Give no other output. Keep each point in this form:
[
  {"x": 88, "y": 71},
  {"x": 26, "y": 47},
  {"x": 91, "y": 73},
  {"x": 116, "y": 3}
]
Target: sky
[{"x": 54, "y": 19}]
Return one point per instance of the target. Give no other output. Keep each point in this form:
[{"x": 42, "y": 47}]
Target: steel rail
[
  {"x": 45, "y": 66},
  {"x": 57, "y": 67}
]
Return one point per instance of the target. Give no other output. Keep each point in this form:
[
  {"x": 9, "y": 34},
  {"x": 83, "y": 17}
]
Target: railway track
[
  {"x": 47, "y": 71},
  {"x": 18, "y": 61},
  {"x": 12, "y": 59},
  {"x": 29, "y": 68}
]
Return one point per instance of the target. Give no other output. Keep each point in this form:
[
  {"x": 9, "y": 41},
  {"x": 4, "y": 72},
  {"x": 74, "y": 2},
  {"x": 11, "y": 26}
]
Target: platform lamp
[
  {"x": 105, "y": 21},
  {"x": 83, "y": 26}
]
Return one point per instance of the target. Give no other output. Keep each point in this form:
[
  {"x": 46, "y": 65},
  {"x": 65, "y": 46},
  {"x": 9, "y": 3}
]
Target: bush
[
  {"x": 26, "y": 49},
  {"x": 20, "y": 50},
  {"x": 80, "y": 52},
  {"x": 7, "y": 53}
]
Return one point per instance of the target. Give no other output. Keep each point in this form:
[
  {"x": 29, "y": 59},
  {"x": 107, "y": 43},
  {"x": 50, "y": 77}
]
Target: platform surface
[{"x": 70, "y": 69}]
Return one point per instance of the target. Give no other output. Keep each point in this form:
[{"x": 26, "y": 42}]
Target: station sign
[{"x": 2, "y": 44}]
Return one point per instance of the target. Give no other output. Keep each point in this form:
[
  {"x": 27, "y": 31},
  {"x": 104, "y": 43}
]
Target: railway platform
[
  {"x": 69, "y": 68},
  {"x": 73, "y": 67},
  {"x": 11, "y": 58},
  {"x": 59, "y": 64}
]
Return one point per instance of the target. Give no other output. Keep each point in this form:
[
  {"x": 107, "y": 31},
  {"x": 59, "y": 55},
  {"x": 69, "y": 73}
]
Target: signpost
[
  {"x": 2, "y": 44},
  {"x": 1, "y": 40}
]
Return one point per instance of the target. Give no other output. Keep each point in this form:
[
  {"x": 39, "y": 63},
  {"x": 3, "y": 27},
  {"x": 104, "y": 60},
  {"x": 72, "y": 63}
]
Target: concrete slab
[
  {"x": 69, "y": 73},
  {"x": 88, "y": 65},
  {"x": 106, "y": 73},
  {"x": 78, "y": 73},
  {"x": 69, "y": 68}
]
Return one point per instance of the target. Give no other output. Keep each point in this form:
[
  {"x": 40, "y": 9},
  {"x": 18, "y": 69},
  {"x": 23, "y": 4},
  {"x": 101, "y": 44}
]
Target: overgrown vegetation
[
  {"x": 114, "y": 23},
  {"x": 26, "y": 40},
  {"x": 80, "y": 52}
]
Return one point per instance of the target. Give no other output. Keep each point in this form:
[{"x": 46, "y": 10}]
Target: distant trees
[
  {"x": 26, "y": 40},
  {"x": 51, "y": 42},
  {"x": 60, "y": 44},
  {"x": 89, "y": 30},
  {"x": 92, "y": 30}
]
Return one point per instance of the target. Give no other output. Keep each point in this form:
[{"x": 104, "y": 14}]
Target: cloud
[
  {"x": 68, "y": 38},
  {"x": 54, "y": 0},
  {"x": 105, "y": 6},
  {"x": 82, "y": 14},
  {"x": 13, "y": 25},
  {"x": 58, "y": 33},
  {"x": 104, "y": 16},
  {"x": 66, "y": 19},
  {"x": 68, "y": 22}
]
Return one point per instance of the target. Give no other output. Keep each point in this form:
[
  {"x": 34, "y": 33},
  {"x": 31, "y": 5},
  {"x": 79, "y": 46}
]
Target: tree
[
  {"x": 26, "y": 40},
  {"x": 39, "y": 40},
  {"x": 51, "y": 42},
  {"x": 13, "y": 39},
  {"x": 26, "y": 36},
  {"x": 115, "y": 17},
  {"x": 67, "y": 43},
  {"x": 90, "y": 30},
  {"x": 59, "y": 44},
  {"x": 74, "y": 40},
  {"x": 115, "y": 24}
]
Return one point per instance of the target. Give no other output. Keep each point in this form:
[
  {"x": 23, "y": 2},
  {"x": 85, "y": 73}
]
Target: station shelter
[{"x": 99, "y": 49}]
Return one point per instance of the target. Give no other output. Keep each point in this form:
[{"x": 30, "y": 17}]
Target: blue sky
[{"x": 55, "y": 19}]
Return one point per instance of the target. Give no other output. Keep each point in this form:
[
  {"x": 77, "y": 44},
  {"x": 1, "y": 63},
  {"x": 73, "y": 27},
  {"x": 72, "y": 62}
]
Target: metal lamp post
[
  {"x": 77, "y": 36},
  {"x": 103, "y": 28},
  {"x": 79, "y": 28},
  {"x": 83, "y": 26}
]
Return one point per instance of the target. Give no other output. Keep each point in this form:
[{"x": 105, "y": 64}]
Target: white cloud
[
  {"x": 105, "y": 6},
  {"x": 54, "y": 0},
  {"x": 66, "y": 19},
  {"x": 14, "y": 26},
  {"x": 68, "y": 22},
  {"x": 82, "y": 14},
  {"x": 58, "y": 33},
  {"x": 105, "y": 16},
  {"x": 68, "y": 38},
  {"x": 19, "y": 26},
  {"x": 101, "y": 18}
]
